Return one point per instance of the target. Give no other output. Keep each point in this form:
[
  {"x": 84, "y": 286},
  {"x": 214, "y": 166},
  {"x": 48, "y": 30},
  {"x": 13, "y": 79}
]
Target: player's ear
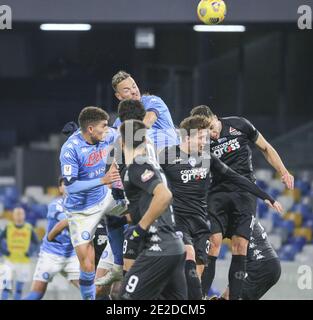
[{"x": 118, "y": 96}]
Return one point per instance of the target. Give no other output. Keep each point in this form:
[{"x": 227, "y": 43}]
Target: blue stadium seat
[
  {"x": 305, "y": 210},
  {"x": 273, "y": 192},
  {"x": 303, "y": 186},
  {"x": 298, "y": 242},
  {"x": 262, "y": 210},
  {"x": 288, "y": 252},
  {"x": 262, "y": 184},
  {"x": 288, "y": 225},
  {"x": 277, "y": 220}
]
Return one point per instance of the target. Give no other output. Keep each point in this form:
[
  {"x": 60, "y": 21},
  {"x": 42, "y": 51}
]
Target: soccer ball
[{"x": 211, "y": 11}]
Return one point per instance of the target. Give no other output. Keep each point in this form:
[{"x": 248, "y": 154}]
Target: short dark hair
[
  {"x": 131, "y": 110},
  {"x": 119, "y": 77},
  {"x": 129, "y": 141},
  {"x": 194, "y": 123},
  {"x": 90, "y": 116},
  {"x": 202, "y": 110}
]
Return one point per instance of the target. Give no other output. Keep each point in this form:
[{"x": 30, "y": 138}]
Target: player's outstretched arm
[
  {"x": 150, "y": 118},
  {"x": 245, "y": 184},
  {"x": 57, "y": 229},
  {"x": 275, "y": 161}
]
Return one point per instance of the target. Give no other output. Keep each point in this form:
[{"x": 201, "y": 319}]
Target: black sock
[
  {"x": 236, "y": 275},
  {"x": 208, "y": 275},
  {"x": 193, "y": 281}
]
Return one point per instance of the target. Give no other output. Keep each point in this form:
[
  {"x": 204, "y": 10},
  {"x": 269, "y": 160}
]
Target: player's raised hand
[
  {"x": 111, "y": 176},
  {"x": 288, "y": 180},
  {"x": 275, "y": 206}
]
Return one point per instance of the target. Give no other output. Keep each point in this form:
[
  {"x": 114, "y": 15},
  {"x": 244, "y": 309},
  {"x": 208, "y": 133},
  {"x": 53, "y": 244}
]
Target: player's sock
[
  {"x": 34, "y": 295},
  {"x": 87, "y": 286},
  {"x": 193, "y": 281},
  {"x": 236, "y": 275},
  {"x": 18, "y": 290},
  {"x": 5, "y": 294},
  {"x": 208, "y": 275},
  {"x": 116, "y": 238}
]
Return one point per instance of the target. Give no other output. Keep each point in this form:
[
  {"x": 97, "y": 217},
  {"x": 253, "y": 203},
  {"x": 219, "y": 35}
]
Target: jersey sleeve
[
  {"x": 117, "y": 123},
  {"x": 69, "y": 162},
  {"x": 217, "y": 166},
  {"x": 248, "y": 128},
  {"x": 154, "y": 104},
  {"x": 144, "y": 176}
]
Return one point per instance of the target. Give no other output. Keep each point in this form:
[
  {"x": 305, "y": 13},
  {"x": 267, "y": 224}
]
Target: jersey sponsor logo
[
  {"x": 155, "y": 248},
  {"x": 226, "y": 147},
  {"x": 67, "y": 170},
  {"x": 192, "y": 161},
  {"x": 221, "y": 140},
  {"x": 95, "y": 157},
  {"x": 147, "y": 175},
  {"x": 96, "y": 173},
  {"x": 234, "y": 132},
  {"x": 193, "y": 174}
]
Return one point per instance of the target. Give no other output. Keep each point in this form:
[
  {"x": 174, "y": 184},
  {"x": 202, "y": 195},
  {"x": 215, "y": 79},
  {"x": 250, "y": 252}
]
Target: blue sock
[
  {"x": 5, "y": 294},
  {"x": 34, "y": 295},
  {"x": 87, "y": 285},
  {"x": 18, "y": 290},
  {"x": 116, "y": 238}
]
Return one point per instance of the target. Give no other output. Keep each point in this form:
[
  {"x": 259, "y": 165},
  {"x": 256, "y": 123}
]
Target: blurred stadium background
[{"x": 264, "y": 74}]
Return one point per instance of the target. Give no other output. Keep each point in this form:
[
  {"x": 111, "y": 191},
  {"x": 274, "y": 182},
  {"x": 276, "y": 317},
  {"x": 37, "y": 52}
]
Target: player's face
[
  {"x": 215, "y": 128},
  {"x": 198, "y": 141},
  {"x": 127, "y": 89},
  {"x": 98, "y": 131},
  {"x": 18, "y": 216}
]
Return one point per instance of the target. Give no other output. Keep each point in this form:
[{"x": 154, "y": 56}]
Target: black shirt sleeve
[
  {"x": 217, "y": 166},
  {"x": 248, "y": 128},
  {"x": 144, "y": 176}
]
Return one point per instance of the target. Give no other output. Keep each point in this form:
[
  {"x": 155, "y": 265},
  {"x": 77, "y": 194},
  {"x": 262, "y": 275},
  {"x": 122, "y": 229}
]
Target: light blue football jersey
[
  {"x": 62, "y": 246},
  {"x": 162, "y": 132},
  {"x": 83, "y": 161}
]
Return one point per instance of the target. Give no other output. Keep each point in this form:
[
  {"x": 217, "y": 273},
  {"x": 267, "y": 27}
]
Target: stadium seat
[
  {"x": 287, "y": 201},
  {"x": 288, "y": 252},
  {"x": 34, "y": 192},
  {"x": 264, "y": 175},
  {"x": 308, "y": 249},
  {"x": 295, "y": 194},
  {"x": 303, "y": 186},
  {"x": 267, "y": 224},
  {"x": 275, "y": 193},
  {"x": 227, "y": 242},
  {"x": 277, "y": 219},
  {"x": 296, "y": 217},
  {"x": 53, "y": 191},
  {"x": 262, "y": 209},
  {"x": 303, "y": 258},
  {"x": 308, "y": 223},
  {"x": 303, "y": 232},
  {"x": 262, "y": 184},
  {"x": 276, "y": 184},
  {"x": 7, "y": 214},
  {"x": 298, "y": 242}
]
